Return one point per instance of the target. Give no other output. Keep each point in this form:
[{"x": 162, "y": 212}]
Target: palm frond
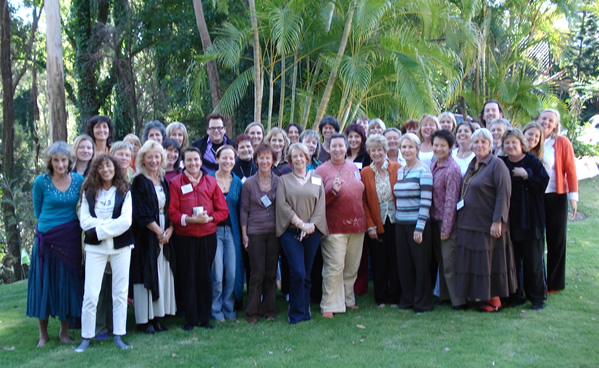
[{"x": 235, "y": 92}]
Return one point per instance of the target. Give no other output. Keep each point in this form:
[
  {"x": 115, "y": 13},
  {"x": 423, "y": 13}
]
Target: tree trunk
[
  {"x": 326, "y": 96},
  {"x": 282, "y": 93},
  {"x": 55, "y": 73},
  {"x": 257, "y": 63},
  {"x": 293, "y": 88},
  {"x": 12, "y": 259}
]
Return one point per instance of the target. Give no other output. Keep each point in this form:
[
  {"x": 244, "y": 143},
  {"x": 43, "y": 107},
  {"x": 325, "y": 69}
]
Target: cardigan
[
  {"x": 258, "y": 218},
  {"x": 206, "y": 194},
  {"x": 565, "y": 166},
  {"x": 447, "y": 180},
  {"x": 370, "y": 199}
]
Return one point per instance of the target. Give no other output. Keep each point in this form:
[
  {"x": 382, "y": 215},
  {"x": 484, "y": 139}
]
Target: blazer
[{"x": 370, "y": 198}]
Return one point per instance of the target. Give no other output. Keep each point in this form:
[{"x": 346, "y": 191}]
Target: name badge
[
  {"x": 316, "y": 181},
  {"x": 243, "y": 179},
  {"x": 358, "y": 165},
  {"x": 187, "y": 188},
  {"x": 460, "y": 204},
  {"x": 357, "y": 175},
  {"x": 265, "y": 201}
]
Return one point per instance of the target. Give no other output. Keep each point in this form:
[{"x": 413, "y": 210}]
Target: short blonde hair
[
  {"x": 121, "y": 145},
  {"x": 484, "y": 133},
  {"x": 299, "y": 147},
  {"x": 558, "y": 126},
  {"x": 180, "y": 126},
  {"x": 424, "y": 119},
  {"x": 274, "y": 131},
  {"x": 518, "y": 134},
  {"x": 449, "y": 115},
  {"x": 412, "y": 138},
  {"x": 132, "y": 137},
  {"x": 149, "y": 147},
  {"x": 377, "y": 140}
]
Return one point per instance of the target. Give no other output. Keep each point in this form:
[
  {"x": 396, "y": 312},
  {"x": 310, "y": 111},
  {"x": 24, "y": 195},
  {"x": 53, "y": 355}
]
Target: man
[{"x": 208, "y": 145}]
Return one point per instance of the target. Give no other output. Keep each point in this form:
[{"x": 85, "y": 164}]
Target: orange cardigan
[
  {"x": 370, "y": 198},
  {"x": 565, "y": 167}
]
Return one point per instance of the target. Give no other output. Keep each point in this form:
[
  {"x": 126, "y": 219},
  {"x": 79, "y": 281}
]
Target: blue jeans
[
  {"x": 300, "y": 256},
  {"x": 223, "y": 275}
]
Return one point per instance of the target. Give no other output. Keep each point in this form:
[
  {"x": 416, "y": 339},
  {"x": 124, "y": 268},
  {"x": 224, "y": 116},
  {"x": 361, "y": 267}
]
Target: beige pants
[{"x": 341, "y": 254}]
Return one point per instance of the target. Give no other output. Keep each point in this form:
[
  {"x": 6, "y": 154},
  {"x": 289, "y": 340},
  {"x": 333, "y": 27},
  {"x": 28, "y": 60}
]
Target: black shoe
[
  {"x": 146, "y": 328},
  {"x": 206, "y": 325},
  {"x": 538, "y": 306},
  {"x": 461, "y": 307},
  {"x": 158, "y": 327},
  {"x": 187, "y": 327}
]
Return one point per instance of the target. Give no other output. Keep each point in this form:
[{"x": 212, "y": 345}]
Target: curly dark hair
[
  {"x": 91, "y": 123},
  {"x": 93, "y": 182}
]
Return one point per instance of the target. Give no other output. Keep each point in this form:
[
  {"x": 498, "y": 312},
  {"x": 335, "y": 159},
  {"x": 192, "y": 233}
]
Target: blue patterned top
[
  {"x": 51, "y": 206},
  {"x": 414, "y": 196}
]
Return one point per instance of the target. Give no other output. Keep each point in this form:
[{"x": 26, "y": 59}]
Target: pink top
[{"x": 447, "y": 179}]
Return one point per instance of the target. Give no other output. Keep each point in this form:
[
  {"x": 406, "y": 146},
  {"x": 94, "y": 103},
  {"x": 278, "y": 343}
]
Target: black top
[
  {"x": 527, "y": 209},
  {"x": 244, "y": 168}
]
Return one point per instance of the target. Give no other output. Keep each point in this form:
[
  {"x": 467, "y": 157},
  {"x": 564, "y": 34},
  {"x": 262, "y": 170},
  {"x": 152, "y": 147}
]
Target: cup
[{"x": 198, "y": 210}]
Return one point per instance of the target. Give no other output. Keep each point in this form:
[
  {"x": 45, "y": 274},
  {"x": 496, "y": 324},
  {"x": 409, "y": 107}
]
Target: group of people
[{"x": 440, "y": 208}]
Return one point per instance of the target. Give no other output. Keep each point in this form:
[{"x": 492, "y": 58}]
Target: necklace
[
  {"x": 406, "y": 173},
  {"x": 243, "y": 171},
  {"x": 338, "y": 168}
]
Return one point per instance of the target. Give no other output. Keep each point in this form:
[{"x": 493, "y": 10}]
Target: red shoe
[{"x": 553, "y": 291}]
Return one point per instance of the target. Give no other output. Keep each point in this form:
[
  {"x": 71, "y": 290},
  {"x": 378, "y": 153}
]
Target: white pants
[
  {"x": 95, "y": 263},
  {"x": 341, "y": 255}
]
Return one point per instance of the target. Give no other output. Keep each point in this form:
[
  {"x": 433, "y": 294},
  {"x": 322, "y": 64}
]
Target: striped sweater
[{"x": 414, "y": 194}]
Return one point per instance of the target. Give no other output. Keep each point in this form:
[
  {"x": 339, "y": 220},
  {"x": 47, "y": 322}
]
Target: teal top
[{"x": 51, "y": 206}]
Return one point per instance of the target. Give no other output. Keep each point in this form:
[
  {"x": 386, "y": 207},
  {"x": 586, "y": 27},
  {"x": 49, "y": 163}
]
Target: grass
[{"x": 563, "y": 335}]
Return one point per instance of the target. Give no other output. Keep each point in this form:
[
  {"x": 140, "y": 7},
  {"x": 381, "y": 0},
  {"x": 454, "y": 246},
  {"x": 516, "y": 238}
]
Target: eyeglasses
[{"x": 212, "y": 129}]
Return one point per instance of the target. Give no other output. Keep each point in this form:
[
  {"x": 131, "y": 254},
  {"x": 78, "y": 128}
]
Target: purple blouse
[{"x": 447, "y": 179}]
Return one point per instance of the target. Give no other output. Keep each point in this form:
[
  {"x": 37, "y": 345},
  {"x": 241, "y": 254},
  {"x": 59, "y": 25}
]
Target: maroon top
[{"x": 447, "y": 179}]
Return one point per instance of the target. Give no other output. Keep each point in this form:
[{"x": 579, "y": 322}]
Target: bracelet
[
  {"x": 161, "y": 237},
  {"x": 335, "y": 192}
]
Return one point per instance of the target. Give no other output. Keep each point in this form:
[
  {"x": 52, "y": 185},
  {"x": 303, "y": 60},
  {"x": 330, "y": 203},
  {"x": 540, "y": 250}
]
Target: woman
[
  {"x": 227, "y": 268},
  {"x": 393, "y": 154},
  {"x": 527, "y": 217},
  {"x": 498, "y": 128},
  {"x": 558, "y": 158},
  {"x": 178, "y": 132},
  {"x": 152, "y": 257},
  {"x": 327, "y": 127},
  {"x": 301, "y": 222},
  {"x": 410, "y": 126},
  {"x": 133, "y": 140},
  {"x": 447, "y": 121},
  {"x": 376, "y": 126},
  {"x": 426, "y": 127},
  {"x": 154, "y": 130},
  {"x": 277, "y": 140},
  {"x": 379, "y": 205},
  {"x": 413, "y": 193},
  {"x": 533, "y": 132},
  {"x": 491, "y": 110},
  {"x": 356, "y": 152},
  {"x": 173, "y": 159},
  {"x": 257, "y": 218},
  {"x": 256, "y": 132},
  {"x": 55, "y": 286},
  {"x": 362, "y": 121},
  {"x": 484, "y": 256},
  {"x": 342, "y": 247},
  {"x": 105, "y": 216},
  {"x": 122, "y": 152},
  {"x": 447, "y": 179},
  {"x": 311, "y": 140},
  {"x": 463, "y": 154},
  {"x": 83, "y": 150},
  {"x": 293, "y": 131},
  {"x": 245, "y": 166},
  {"x": 101, "y": 130},
  {"x": 197, "y": 206}
]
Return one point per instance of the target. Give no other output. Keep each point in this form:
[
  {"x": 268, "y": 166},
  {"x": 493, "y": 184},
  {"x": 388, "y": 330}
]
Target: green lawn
[{"x": 565, "y": 334}]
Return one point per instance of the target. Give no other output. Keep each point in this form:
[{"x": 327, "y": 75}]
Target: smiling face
[
  {"x": 377, "y": 154},
  {"x": 428, "y": 128},
  {"x": 481, "y": 147},
  {"x": 101, "y": 131},
  {"x": 60, "y": 164},
  {"x": 355, "y": 141},
  {"x": 338, "y": 150},
  {"x": 216, "y": 130},
  {"x": 226, "y": 160},
  {"x": 446, "y": 123},
  {"x": 277, "y": 143},
  {"x": 497, "y": 131},
  {"x": 155, "y": 135},
  {"x": 327, "y": 131},
  {"x": 533, "y": 136},
  {"x": 245, "y": 150},
  {"x": 135, "y": 144},
  {"x": 463, "y": 135},
  {"x": 409, "y": 150},
  {"x": 106, "y": 171},
  {"x": 123, "y": 157},
  {"x": 311, "y": 143},
  {"x": 392, "y": 140},
  {"x": 375, "y": 129},
  {"x": 265, "y": 162},
  {"x": 512, "y": 147},
  {"x": 152, "y": 161},
  {"x": 491, "y": 112},
  {"x": 256, "y": 135},
  {"x": 293, "y": 134},
  {"x": 172, "y": 154},
  {"x": 178, "y": 136},
  {"x": 192, "y": 163},
  {"x": 441, "y": 149},
  {"x": 548, "y": 121},
  {"x": 85, "y": 151},
  {"x": 298, "y": 160}
]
